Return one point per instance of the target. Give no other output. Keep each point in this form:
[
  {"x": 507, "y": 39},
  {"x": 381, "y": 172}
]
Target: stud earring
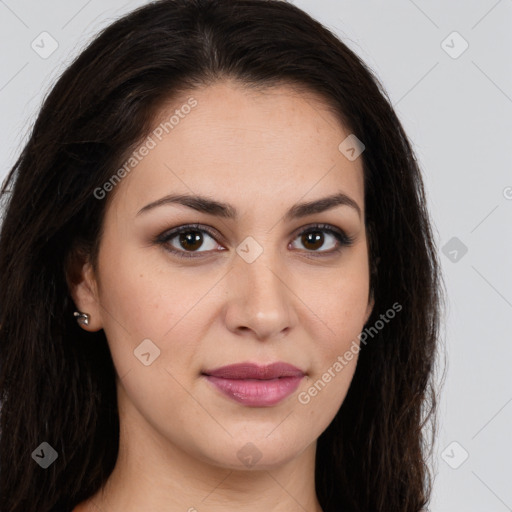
[{"x": 82, "y": 318}]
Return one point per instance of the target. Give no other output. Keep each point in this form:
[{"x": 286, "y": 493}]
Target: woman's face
[{"x": 259, "y": 281}]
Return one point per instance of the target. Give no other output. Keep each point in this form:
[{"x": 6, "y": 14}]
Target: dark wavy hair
[{"x": 57, "y": 382}]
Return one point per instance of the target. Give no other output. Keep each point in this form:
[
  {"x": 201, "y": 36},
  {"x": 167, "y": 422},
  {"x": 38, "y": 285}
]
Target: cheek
[
  {"x": 340, "y": 301},
  {"x": 343, "y": 313},
  {"x": 130, "y": 302},
  {"x": 146, "y": 325},
  {"x": 146, "y": 299},
  {"x": 342, "y": 308},
  {"x": 129, "y": 295}
]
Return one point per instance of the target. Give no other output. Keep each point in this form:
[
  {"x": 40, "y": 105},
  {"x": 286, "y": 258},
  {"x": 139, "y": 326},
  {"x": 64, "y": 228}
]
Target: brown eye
[
  {"x": 187, "y": 240},
  {"x": 190, "y": 240},
  {"x": 314, "y": 238}
]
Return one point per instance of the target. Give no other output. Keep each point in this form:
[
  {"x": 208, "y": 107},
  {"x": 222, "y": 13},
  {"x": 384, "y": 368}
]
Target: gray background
[{"x": 457, "y": 109}]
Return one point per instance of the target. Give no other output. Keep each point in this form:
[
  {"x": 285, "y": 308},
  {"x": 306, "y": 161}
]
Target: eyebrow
[{"x": 227, "y": 211}]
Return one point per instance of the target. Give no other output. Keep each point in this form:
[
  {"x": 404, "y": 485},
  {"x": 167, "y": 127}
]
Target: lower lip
[{"x": 256, "y": 393}]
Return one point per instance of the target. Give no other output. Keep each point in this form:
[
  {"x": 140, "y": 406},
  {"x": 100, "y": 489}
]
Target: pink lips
[{"x": 254, "y": 385}]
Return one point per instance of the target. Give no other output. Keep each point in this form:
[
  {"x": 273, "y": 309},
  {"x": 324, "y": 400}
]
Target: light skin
[{"x": 297, "y": 302}]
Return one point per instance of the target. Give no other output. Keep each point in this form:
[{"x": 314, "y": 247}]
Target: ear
[
  {"x": 83, "y": 287},
  {"x": 369, "y": 309},
  {"x": 374, "y": 265}
]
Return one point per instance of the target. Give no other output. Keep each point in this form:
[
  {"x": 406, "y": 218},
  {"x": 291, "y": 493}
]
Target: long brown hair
[{"x": 57, "y": 382}]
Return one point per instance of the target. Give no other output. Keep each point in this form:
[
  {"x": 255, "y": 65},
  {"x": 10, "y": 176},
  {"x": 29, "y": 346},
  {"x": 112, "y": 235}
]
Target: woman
[{"x": 219, "y": 285}]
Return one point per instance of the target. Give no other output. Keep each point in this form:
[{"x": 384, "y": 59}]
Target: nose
[{"x": 260, "y": 300}]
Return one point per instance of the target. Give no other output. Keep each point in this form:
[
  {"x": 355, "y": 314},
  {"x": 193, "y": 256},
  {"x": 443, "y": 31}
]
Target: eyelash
[{"x": 343, "y": 239}]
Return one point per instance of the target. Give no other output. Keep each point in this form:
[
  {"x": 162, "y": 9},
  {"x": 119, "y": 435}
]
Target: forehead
[{"x": 244, "y": 146}]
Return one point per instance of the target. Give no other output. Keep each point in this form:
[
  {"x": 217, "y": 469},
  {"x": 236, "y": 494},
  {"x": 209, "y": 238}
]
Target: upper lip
[{"x": 255, "y": 371}]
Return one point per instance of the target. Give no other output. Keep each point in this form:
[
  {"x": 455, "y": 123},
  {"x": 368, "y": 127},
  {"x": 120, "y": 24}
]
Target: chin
[{"x": 254, "y": 452}]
